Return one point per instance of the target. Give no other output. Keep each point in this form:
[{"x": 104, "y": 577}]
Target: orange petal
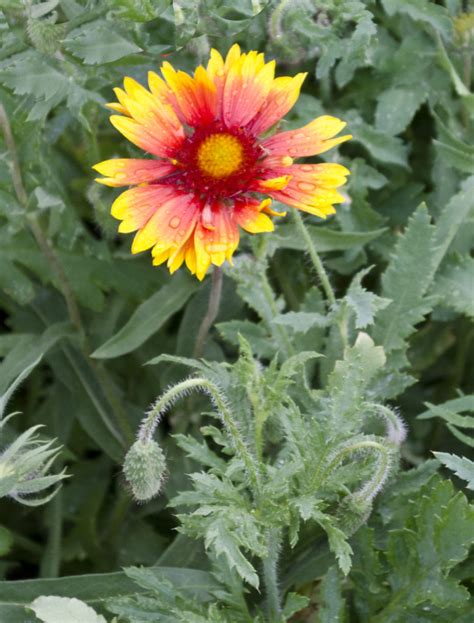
[
  {"x": 127, "y": 171},
  {"x": 169, "y": 227},
  {"x": 247, "y": 85},
  {"x": 196, "y": 97},
  {"x": 217, "y": 245},
  {"x": 281, "y": 98},
  {"x": 314, "y": 138},
  {"x": 312, "y": 188},
  {"x": 136, "y": 206},
  {"x": 249, "y": 215},
  {"x": 141, "y": 137}
]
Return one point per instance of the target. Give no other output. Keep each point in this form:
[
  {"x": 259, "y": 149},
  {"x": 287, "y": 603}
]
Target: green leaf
[
  {"x": 6, "y": 540},
  {"x": 220, "y": 539},
  {"x": 31, "y": 74},
  {"x": 460, "y": 465},
  {"x": 28, "y": 352},
  {"x": 99, "y": 44},
  {"x": 455, "y": 285},
  {"x": 381, "y": 146},
  {"x": 364, "y": 304},
  {"x": 324, "y": 239},
  {"x": 350, "y": 378},
  {"x": 333, "y": 605},
  {"x": 93, "y": 589},
  {"x": 301, "y": 322},
  {"x": 149, "y": 317},
  {"x": 53, "y": 609},
  {"x": 405, "y": 281},
  {"x": 396, "y": 108},
  {"x": 423, "y": 11},
  {"x": 15, "y": 283}
]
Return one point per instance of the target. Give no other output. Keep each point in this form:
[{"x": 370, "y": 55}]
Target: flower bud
[{"x": 144, "y": 469}]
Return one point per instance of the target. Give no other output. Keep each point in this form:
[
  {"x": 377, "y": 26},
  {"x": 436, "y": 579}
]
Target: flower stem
[
  {"x": 166, "y": 400},
  {"x": 382, "y": 469},
  {"x": 318, "y": 265},
  {"x": 211, "y": 313},
  {"x": 270, "y": 576}
]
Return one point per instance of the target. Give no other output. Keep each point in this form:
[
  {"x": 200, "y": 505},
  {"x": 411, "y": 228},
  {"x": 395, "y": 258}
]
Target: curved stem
[
  {"x": 370, "y": 489},
  {"x": 152, "y": 419},
  {"x": 396, "y": 429},
  {"x": 318, "y": 265},
  {"x": 211, "y": 313}
]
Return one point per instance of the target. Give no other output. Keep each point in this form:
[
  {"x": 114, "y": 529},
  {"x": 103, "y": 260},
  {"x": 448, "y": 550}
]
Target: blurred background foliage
[{"x": 399, "y": 72}]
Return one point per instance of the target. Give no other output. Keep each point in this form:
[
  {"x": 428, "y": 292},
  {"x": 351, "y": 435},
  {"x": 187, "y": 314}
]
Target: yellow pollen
[{"x": 220, "y": 155}]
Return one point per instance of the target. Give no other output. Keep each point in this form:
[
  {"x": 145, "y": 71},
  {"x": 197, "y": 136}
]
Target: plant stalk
[
  {"x": 315, "y": 259},
  {"x": 211, "y": 313},
  {"x": 270, "y": 577},
  {"x": 152, "y": 419}
]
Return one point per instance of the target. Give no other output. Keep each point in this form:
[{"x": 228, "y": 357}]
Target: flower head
[{"x": 212, "y": 171}]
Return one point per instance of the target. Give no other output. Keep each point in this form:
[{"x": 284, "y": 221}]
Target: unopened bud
[{"x": 145, "y": 469}]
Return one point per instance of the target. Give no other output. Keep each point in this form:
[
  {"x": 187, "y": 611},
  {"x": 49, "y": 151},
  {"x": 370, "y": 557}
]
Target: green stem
[
  {"x": 152, "y": 419},
  {"x": 51, "y": 561},
  {"x": 396, "y": 431},
  {"x": 370, "y": 489},
  {"x": 270, "y": 576},
  {"x": 211, "y": 313},
  {"x": 318, "y": 265}
]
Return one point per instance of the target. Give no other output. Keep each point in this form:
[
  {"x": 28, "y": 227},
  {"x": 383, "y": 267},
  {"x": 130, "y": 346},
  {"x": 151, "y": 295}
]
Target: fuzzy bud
[{"x": 145, "y": 469}]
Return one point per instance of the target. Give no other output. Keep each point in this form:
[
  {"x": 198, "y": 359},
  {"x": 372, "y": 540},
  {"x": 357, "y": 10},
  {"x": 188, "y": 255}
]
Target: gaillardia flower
[{"x": 211, "y": 165}]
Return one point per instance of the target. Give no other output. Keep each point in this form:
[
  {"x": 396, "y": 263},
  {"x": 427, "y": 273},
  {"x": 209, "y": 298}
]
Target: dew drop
[
  {"x": 307, "y": 167},
  {"x": 306, "y": 186},
  {"x": 175, "y": 221},
  {"x": 120, "y": 176},
  {"x": 300, "y": 136},
  {"x": 280, "y": 99}
]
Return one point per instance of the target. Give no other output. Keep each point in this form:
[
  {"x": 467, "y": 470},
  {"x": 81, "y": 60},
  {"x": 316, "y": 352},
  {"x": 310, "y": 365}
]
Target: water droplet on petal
[
  {"x": 306, "y": 186},
  {"x": 175, "y": 221}
]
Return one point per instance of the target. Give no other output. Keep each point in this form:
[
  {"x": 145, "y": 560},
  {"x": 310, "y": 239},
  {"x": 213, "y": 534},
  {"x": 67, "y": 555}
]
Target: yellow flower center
[{"x": 220, "y": 155}]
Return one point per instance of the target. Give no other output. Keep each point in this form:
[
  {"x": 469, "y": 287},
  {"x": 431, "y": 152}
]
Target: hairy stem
[
  {"x": 315, "y": 259},
  {"x": 211, "y": 313},
  {"x": 152, "y": 419},
  {"x": 270, "y": 576},
  {"x": 383, "y": 463}
]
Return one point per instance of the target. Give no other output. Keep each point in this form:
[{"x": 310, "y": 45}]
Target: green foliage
[{"x": 283, "y": 497}]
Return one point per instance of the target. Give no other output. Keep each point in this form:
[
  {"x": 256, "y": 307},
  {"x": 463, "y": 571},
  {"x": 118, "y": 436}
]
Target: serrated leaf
[
  {"x": 365, "y": 304},
  {"x": 405, "y": 281},
  {"x": 350, "y": 378},
  {"x": 221, "y": 541},
  {"x": 423, "y": 11},
  {"x": 99, "y": 44},
  {"x": 149, "y": 317},
  {"x": 51, "y": 609},
  {"x": 301, "y": 322},
  {"x": 460, "y": 465}
]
